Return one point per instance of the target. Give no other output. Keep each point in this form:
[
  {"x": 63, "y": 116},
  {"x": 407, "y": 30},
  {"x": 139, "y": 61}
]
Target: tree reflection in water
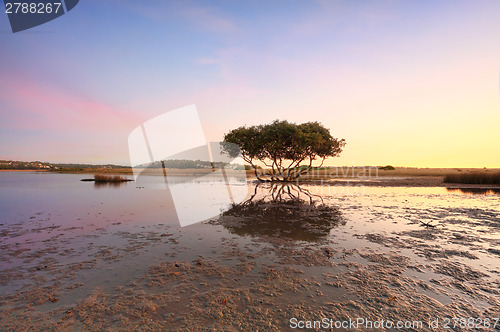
[
  {"x": 284, "y": 210},
  {"x": 99, "y": 185}
]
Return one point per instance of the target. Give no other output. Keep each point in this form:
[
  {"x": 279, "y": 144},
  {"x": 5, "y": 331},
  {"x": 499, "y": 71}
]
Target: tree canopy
[{"x": 288, "y": 149}]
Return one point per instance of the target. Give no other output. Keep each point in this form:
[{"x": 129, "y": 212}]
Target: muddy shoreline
[{"x": 410, "y": 181}]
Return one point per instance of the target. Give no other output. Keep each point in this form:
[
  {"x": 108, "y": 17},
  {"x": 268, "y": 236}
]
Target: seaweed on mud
[
  {"x": 424, "y": 234},
  {"x": 387, "y": 241},
  {"x": 494, "y": 251},
  {"x": 385, "y": 259},
  {"x": 458, "y": 271},
  {"x": 487, "y": 217}
]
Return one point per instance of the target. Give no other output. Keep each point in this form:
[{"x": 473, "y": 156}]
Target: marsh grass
[
  {"x": 99, "y": 178},
  {"x": 473, "y": 178}
]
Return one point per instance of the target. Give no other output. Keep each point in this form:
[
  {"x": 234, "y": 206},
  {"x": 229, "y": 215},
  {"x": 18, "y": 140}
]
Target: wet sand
[{"x": 386, "y": 253}]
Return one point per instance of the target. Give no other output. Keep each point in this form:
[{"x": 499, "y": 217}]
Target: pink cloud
[{"x": 35, "y": 106}]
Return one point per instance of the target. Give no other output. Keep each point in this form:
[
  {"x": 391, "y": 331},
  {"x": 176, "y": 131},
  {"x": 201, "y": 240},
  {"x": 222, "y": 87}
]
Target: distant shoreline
[
  {"x": 401, "y": 177},
  {"x": 25, "y": 170}
]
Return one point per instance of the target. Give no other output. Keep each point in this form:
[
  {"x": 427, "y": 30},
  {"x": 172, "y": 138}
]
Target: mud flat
[{"x": 398, "y": 254}]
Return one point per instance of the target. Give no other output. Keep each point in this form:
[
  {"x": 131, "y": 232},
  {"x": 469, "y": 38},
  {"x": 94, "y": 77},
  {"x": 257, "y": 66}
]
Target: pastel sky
[{"x": 406, "y": 83}]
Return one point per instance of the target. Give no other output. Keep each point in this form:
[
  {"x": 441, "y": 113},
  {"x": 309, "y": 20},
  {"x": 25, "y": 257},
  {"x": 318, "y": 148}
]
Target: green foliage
[{"x": 283, "y": 146}]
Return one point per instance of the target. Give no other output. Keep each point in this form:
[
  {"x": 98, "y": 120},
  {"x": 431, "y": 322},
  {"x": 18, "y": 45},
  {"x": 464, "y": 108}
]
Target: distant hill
[
  {"x": 27, "y": 165},
  {"x": 38, "y": 165},
  {"x": 186, "y": 164}
]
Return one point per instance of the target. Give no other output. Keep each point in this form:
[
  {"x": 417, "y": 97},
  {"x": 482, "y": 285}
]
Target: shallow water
[{"x": 65, "y": 238}]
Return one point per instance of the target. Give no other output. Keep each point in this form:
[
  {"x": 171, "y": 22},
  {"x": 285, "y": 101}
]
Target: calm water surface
[{"x": 121, "y": 230}]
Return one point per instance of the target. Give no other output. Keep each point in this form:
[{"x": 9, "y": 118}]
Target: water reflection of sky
[{"x": 43, "y": 211}]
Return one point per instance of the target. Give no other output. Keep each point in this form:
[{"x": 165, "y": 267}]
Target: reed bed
[
  {"x": 474, "y": 178},
  {"x": 109, "y": 178}
]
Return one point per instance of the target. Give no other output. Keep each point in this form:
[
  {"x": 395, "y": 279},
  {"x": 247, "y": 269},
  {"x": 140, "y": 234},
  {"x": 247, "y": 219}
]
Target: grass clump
[
  {"x": 109, "y": 178},
  {"x": 473, "y": 178}
]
